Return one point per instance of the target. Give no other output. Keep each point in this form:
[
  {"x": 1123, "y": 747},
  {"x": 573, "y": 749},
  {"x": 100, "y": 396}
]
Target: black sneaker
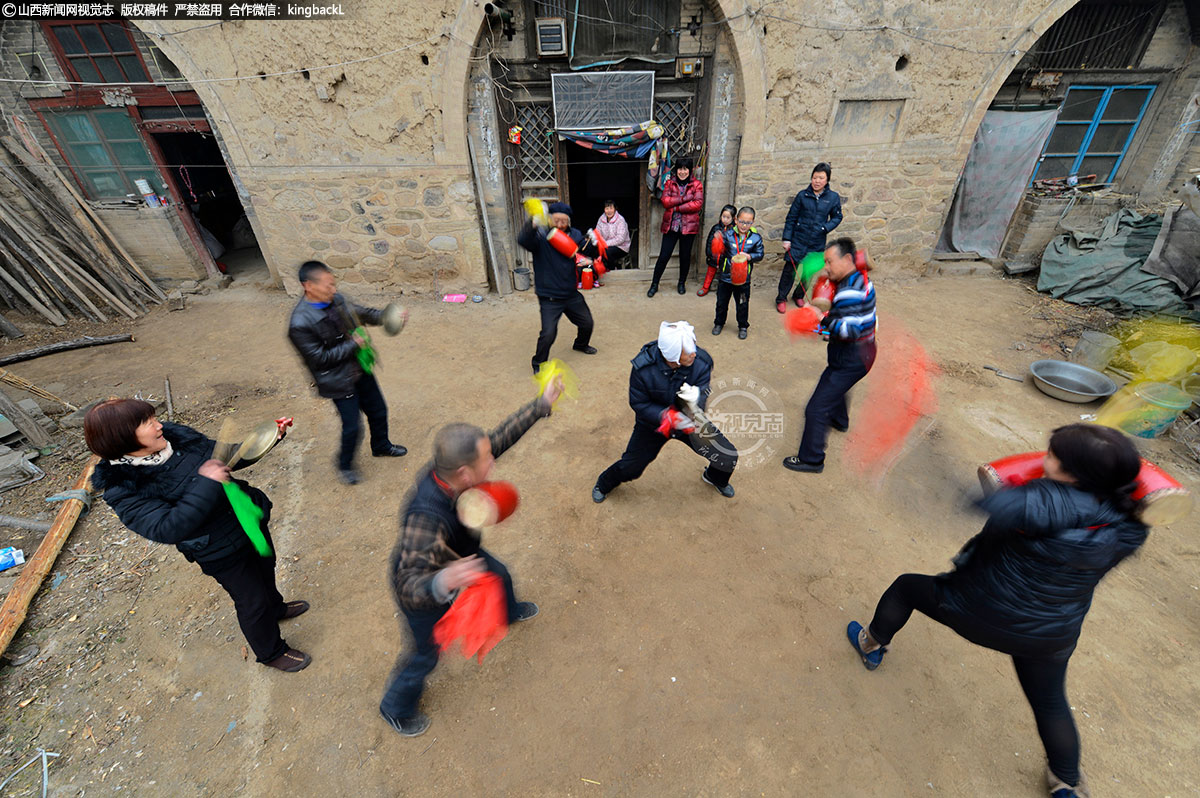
[
  {"x": 348, "y": 476},
  {"x": 598, "y": 495},
  {"x": 393, "y": 450},
  {"x": 525, "y": 611},
  {"x": 682, "y": 288},
  {"x": 743, "y": 332},
  {"x": 587, "y": 350},
  {"x": 717, "y": 329},
  {"x": 653, "y": 290},
  {"x": 794, "y": 463},
  {"x": 839, "y": 427},
  {"x": 725, "y": 490},
  {"x": 408, "y": 727}
]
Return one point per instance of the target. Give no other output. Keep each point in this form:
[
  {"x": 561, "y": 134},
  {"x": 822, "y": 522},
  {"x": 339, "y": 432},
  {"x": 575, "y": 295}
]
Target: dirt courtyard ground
[{"x": 688, "y": 645}]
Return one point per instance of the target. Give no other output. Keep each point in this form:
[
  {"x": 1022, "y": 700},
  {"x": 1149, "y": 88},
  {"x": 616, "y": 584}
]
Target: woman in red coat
[{"x": 682, "y": 198}]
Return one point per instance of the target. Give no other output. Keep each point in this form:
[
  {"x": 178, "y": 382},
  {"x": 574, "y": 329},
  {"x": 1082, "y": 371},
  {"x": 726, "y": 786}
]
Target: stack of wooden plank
[{"x": 77, "y": 269}]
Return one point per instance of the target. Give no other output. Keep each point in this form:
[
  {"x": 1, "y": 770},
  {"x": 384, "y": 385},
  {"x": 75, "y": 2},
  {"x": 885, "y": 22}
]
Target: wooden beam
[
  {"x": 64, "y": 346},
  {"x": 16, "y": 603},
  {"x": 24, "y": 422}
]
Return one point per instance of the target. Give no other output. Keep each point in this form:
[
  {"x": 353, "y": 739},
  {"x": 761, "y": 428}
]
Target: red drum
[
  {"x": 822, "y": 293},
  {"x": 739, "y": 269},
  {"x": 487, "y": 504},
  {"x": 1163, "y": 499},
  {"x": 587, "y": 278},
  {"x": 562, "y": 242}
]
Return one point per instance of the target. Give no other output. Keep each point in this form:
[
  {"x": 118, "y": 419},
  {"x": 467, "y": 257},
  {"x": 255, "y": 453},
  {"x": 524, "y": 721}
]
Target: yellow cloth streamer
[{"x": 556, "y": 368}]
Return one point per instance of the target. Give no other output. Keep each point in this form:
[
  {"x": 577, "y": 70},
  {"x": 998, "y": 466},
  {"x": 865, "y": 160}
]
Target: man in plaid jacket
[{"x": 437, "y": 555}]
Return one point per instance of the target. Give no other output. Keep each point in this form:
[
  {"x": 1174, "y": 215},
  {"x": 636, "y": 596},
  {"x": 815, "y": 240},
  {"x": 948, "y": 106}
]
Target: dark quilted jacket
[
  {"x": 1029, "y": 575},
  {"x": 172, "y": 503},
  {"x": 653, "y": 384}
]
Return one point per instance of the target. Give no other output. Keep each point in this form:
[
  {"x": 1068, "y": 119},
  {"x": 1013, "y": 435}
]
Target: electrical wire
[{"x": 236, "y": 78}]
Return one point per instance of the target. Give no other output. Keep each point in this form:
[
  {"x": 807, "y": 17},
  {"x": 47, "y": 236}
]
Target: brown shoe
[
  {"x": 294, "y": 608},
  {"x": 290, "y": 661}
]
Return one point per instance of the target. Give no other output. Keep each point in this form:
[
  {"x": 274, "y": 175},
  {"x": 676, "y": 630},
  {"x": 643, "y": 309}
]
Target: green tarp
[{"x": 1105, "y": 268}]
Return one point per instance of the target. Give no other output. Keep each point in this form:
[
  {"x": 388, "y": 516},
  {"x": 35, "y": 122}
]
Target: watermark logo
[{"x": 750, "y": 416}]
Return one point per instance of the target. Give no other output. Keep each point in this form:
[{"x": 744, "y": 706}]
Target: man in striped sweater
[{"x": 850, "y": 326}]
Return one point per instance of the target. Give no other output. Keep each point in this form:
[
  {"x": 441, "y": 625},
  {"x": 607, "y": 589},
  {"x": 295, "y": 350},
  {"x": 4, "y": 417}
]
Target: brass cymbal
[
  {"x": 261, "y": 440},
  {"x": 393, "y": 319}
]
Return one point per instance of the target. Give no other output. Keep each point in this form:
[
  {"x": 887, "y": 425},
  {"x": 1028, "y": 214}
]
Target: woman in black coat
[
  {"x": 161, "y": 481},
  {"x": 1024, "y": 584}
]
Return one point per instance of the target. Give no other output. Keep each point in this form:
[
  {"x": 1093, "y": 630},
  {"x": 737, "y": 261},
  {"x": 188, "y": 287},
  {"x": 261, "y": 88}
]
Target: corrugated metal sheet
[{"x": 1099, "y": 36}]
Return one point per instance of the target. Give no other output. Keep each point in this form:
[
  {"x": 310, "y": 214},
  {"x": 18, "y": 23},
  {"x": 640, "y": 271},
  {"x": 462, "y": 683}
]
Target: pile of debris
[{"x": 68, "y": 266}]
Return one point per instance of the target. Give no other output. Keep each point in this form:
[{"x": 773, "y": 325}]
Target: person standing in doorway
[
  {"x": 682, "y": 199},
  {"x": 322, "y": 328},
  {"x": 815, "y": 213},
  {"x": 612, "y": 227},
  {"x": 555, "y": 283},
  {"x": 850, "y": 325},
  {"x": 742, "y": 243}
]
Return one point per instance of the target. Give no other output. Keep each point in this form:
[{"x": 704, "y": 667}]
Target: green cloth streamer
[
  {"x": 365, "y": 354},
  {"x": 812, "y": 263},
  {"x": 248, "y": 515}
]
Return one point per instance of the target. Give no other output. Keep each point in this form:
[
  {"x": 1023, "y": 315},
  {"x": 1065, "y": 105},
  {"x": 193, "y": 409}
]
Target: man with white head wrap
[{"x": 670, "y": 377}]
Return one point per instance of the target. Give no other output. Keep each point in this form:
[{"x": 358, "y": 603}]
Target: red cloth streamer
[
  {"x": 718, "y": 247},
  {"x": 802, "y": 321},
  {"x": 479, "y": 616},
  {"x": 669, "y": 417},
  {"x": 899, "y": 393}
]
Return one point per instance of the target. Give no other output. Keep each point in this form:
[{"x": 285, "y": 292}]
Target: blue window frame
[{"x": 1094, "y": 128}]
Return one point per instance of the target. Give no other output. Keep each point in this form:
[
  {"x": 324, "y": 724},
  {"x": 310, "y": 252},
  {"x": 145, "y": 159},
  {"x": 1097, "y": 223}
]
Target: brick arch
[
  {"x": 468, "y": 25},
  {"x": 1051, "y": 13}
]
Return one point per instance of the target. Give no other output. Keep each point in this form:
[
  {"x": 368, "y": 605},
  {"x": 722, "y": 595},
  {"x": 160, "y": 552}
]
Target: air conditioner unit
[{"x": 551, "y": 36}]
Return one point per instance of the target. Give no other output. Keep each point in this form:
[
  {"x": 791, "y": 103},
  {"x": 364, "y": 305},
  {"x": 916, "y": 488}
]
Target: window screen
[
  {"x": 99, "y": 52},
  {"x": 105, "y": 151},
  {"x": 599, "y": 100},
  {"x": 1094, "y": 129}
]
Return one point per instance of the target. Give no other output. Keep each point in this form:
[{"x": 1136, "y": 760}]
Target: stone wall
[
  {"x": 349, "y": 138},
  {"x": 893, "y": 205},
  {"x": 389, "y": 228}
]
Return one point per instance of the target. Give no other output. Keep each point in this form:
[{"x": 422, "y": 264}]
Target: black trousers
[
  {"x": 576, "y": 311},
  {"x": 645, "y": 443},
  {"x": 664, "y": 255},
  {"x": 616, "y": 258},
  {"x": 1043, "y": 678},
  {"x": 741, "y": 303},
  {"x": 788, "y": 276},
  {"x": 407, "y": 682},
  {"x": 249, "y": 579},
  {"x": 367, "y": 399},
  {"x": 848, "y": 362}
]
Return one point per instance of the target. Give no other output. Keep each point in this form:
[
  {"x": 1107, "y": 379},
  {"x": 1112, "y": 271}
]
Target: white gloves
[{"x": 690, "y": 394}]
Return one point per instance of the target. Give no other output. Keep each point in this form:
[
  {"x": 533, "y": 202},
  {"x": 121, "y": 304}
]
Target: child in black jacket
[{"x": 728, "y": 213}]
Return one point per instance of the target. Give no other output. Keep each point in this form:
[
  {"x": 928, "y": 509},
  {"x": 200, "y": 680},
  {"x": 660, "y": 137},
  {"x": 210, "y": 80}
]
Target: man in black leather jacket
[{"x": 322, "y": 330}]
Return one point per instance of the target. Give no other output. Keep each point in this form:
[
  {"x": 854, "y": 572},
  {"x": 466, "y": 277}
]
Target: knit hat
[
  {"x": 675, "y": 338},
  {"x": 560, "y": 207}
]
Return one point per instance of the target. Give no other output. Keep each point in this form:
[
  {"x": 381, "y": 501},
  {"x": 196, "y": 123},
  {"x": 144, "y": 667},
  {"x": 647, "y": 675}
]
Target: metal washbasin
[{"x": 1071, "y": 382}]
